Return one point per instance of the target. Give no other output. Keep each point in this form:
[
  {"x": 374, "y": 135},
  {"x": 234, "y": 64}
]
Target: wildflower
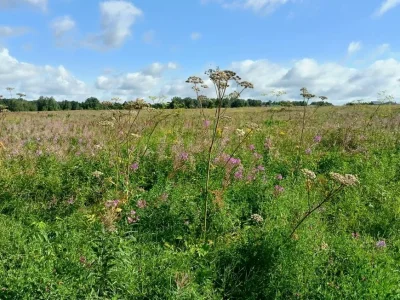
[
  {"x": 346, "y": 180},
  {"x": 260, "y": 168},
  {"x": 268, "y": 144},
  {"x": 184, "y": 156},
  {"x": 134, "y": 166},
  {"x": 309, "y": 174},
  {"x": 239, "y": 174},
  {"x": 131, "y": 220},
  {"x": 39, "y": 152},
  {"x": 141, "y": 203},
  {"x": 112, "y": 203},
  {"x": 257, "y": 218},
  {"x": 257, "y": 155},
  {"x": 324, "y": 246},
  {"x": 187, "y": 222},
  {"x": 355, "y": 235},
  {"x": 252, "y": 147},
  {"x": 206, "y": 123},
  {"x": 308, "y": 151},
  {"x": 106, "y": 124},
  {"x": 279, "y": 189},
  {"x": 164, "y": 197},
  {"x": 133, "y": 217},
  {"x": 71, "y": 201},
  {"x": 97, "y": 174},
  {"x": 279, "y": 177},
  {"x": 381, "y": 244},
  {"x": 240, "y": 132},
  {"x": 252, "y": 126},
  {"x": 317, "y": 139},
  {"x": 82, "y": 260}
]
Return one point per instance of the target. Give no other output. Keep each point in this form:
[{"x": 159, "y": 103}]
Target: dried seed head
[
  {"x": 309, "y": 174},
  {"x": 195, "y": 80},
  {"x": 246, "y": 85},
  {"x": 257, "y": 218},
  {"x": 346, "y": 180}
]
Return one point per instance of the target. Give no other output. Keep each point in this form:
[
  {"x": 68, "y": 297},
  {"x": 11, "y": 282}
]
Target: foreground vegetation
[{"x": 111, "y": 204}]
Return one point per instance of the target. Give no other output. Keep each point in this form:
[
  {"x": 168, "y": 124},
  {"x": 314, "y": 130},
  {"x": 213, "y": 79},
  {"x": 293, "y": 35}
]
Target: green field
[{"x": 117, "y": 205}]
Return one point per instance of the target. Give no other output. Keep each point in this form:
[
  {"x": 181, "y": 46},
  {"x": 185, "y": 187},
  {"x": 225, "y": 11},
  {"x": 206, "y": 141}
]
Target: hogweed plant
[
  {"x": 221, "y": 81},
  {"x": 340, "y": 181}
]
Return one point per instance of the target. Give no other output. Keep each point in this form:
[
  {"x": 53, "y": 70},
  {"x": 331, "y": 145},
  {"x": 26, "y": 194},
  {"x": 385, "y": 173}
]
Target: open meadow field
[{"x": 290, "y": 203}]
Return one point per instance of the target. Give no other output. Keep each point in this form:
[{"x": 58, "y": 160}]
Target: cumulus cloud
[
  {"x": 61, "y": 25},
  {"x": 117, "y": 18},
  {"x": 34, "y": 80},
  {"x": 195, "y": 36},
  {"x": 7, "y": 31},
  {"x": 338, "y": 82},
  {"x": 41, "y": 4},
  {"x": 354, "y": 47},
  {"x": 386, "y": 6},
  {"x": 142, "y": 83},
  {"x": 257, "y": 6}
]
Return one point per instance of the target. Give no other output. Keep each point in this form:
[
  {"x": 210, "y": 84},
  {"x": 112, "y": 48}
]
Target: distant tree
[{"x": 92, "y": 103}]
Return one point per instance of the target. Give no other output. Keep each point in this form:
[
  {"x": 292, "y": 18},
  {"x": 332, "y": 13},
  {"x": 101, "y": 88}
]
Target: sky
[{"x": 346, "y": 50}]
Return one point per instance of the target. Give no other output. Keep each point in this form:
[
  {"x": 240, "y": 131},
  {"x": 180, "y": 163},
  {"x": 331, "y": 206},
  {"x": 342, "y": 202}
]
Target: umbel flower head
[
  {"x": 308, "y": 174},
  {"x": 345, "y": 180},
  {"x": 137, "y": 104}
]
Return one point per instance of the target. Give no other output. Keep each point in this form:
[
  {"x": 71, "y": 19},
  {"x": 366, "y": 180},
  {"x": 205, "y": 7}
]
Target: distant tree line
[{"x": 92, "y": 103}]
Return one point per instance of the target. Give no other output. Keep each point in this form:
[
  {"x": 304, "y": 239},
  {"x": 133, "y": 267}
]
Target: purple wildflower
[
  {"x": 317, "y": 139},
  {"x": 257, "y": 155},
  {"x": 260, "y": 168},
  {"x": 141, "y": 203},
  {"x": 135, "y": 166},
  {"x": 184, "y": 156},
  {"x": 308, "y": 151},
  {"x": 279, "y": 189},
  {"x": 132, "y": 218},
  {"x": 252, "y": 147},
  {"x": 279, "y": 177},
  {"x": 239, "y": 174},
  {"x": 206, "y": 123},
  {"x": 381, "y": 244},
  {"x": 71, "y": 201},
  {"x": 112, "y": 203},
  {"x": 268, "y": 144}
]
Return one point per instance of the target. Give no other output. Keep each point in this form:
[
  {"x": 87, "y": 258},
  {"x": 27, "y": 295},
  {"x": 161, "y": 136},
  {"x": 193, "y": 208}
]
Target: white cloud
[
  {"x": 138, "y": 84},
  {"x": 195, "y": 36},
  {"x": 34, "y": 80},
  {"x": 7, "y": 31},
  {"x": 257, "y": 6},
  {"x": 117, "y": 18},
  {"x": 339, "y": 83},
  {"x": 386, "y": 6},
  {"x": 354, "y": 47},
  {"x": 41, "y": 4},
  {"x": 62, "y": 25}
]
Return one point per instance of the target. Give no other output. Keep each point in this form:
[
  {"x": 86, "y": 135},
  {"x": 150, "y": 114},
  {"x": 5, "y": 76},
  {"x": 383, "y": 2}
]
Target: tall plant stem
[{"x": 330, "y": 195}]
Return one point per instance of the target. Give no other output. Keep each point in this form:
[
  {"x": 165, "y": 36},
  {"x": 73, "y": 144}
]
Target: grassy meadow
[{"x": 117, "y": 205}]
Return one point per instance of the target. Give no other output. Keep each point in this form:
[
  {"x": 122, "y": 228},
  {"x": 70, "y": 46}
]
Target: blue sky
[{"x": 73, "y": 49}]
